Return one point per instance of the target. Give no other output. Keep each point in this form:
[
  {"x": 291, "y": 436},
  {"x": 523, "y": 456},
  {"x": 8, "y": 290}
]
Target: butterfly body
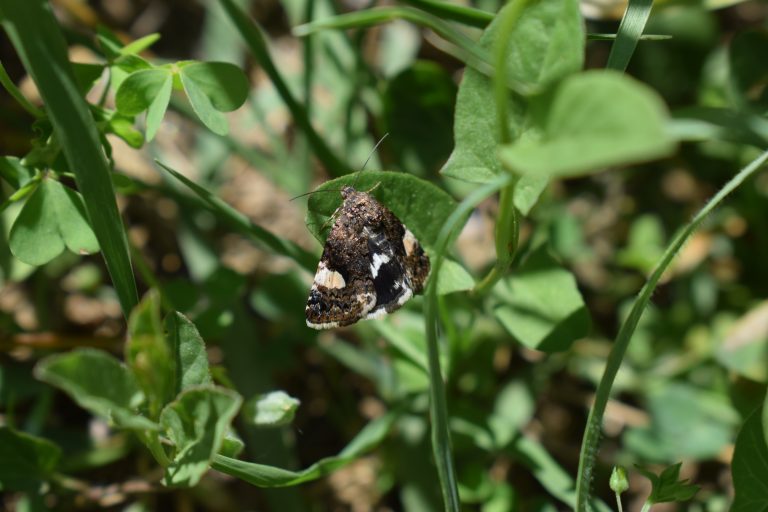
[{"x": 370, "y": 266}]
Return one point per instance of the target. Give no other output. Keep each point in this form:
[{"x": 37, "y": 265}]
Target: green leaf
[
  {"x": 546, "y": 44},
  {"x": 541, "y": 305},
  {"x": 12, "y": 171},
  {"x": 419, "y": 204},
  {"x": 262, "y": 475},
  {"x": 97, "y": 382},
  {"x": 158, "y": 106},
  {"x": 645, "y": 245},
  {"x": 86, "y": 75},
  {"x": 203, "y": 107},
  {"x": 750, "y": 465},
  {"x": 744, "y": 347},
  {"x": 527, "y": 191},
  {"x": 593, "y": 120},
  {"x": 224, "y": 84},
  {"x": 141, "y": 89},
  {"x": 232, "y": 445},
  {"x": 196, "y": 423},
  {"x": 686, "y": 422},
  {"x": 666, "y": 487},
  {"x": 52, "y": 218},
  {"x": 123, "y": 127},
  {"x": 148, "y": 354},
  {"x": 191, "y": 366},
  {"x": 39, "y": 42},
  {"x": 273, "y": 409},
  {"x": 27, "y": 460},
  {"x": 454, "y": 278},
  {"x": 140, "y": 44}
]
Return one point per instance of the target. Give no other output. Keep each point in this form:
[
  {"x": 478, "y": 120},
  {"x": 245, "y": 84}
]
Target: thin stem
[
  {"x": 14, "y": 91},
  {"x": 591, "y": 438},
  {"x": 441, "y": 437}
]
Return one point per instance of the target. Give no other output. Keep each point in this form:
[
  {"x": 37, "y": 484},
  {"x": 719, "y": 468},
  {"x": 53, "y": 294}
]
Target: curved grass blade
[
  {"x": 591, "y": 439},
  {"x": 242, "y": 224},
  {"x": 37, "y": 37},
  {"x": 454, "y": 12},
  {"x": 630, "y": 31},
  {"x": 262, "y": 475}
]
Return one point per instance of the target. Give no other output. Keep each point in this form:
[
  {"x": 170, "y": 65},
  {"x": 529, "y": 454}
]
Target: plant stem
[
  {"x": 591, "y": 438},
  {"x": 14, "y": 91},
  {"x": 441, "y": 436}
]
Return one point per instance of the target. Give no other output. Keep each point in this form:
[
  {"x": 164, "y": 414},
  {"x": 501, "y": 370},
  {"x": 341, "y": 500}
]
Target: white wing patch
[
  {"x": 378, "y": 261},
  {"x": 328, "y": 278}
]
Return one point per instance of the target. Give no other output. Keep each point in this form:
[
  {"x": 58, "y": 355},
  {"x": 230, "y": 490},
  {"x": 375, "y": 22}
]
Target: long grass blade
[
  {"x": 38, "y": 39},
  {"x": 630, "y": 31},
  {"x": 591, "y": 438}
]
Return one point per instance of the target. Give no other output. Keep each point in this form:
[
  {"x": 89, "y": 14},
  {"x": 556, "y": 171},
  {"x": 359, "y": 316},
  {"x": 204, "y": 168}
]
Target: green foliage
[
  {"x": 27, "y": 461},
  {"x": 750, "y": 463},
  {"x": 666, "y": 487},
  {"x": 460, "y": 397},
  {"x": 274, "y": 409}
]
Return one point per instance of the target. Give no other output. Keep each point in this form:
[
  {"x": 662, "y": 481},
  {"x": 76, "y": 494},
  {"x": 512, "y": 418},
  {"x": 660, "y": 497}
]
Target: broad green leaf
[
  {"x": 39, "y": 42},
  {"x": 513, "y": 409},
  {"x": 158, "y": 106},
  {"x": 27, "y": 460},
  {"x": 420, "y": 205},
  {"x": 188, "y": 348},
  {"x": 97, "y": 382},
  {"x": 203, "y": 106},
  {"x": 196, "y": 423},
  {"x": 141, "y": 89},
  {"x": 750, "y": 465},
  {"x": 593, "y": 120},
  {"x": 148, "y": 354},
  {"x": 666, "y": 487},
  {"x": 52, "y": 218},
  {"x": 546, "y": 44},
  {"x": 540, "y": 305},
  {"x": 527, "y": 191},
  {"x": 454, "y": 278},
  {"x": 273, "y": 409},
  {"x": 262, "y": 475},
  {"x": 645, "y": 244},
  {"x": 224, "y": 84}
]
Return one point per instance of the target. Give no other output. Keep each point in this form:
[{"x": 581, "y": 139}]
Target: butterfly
[{"x": 371, "y": 265}]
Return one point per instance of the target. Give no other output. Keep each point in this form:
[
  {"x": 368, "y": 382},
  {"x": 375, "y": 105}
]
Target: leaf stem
[{"x": 591, "y": 438}]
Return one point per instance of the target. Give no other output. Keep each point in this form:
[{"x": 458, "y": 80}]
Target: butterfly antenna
[
  {"x": 314, "y": 192},
  {"x": 373, "y": 152}
]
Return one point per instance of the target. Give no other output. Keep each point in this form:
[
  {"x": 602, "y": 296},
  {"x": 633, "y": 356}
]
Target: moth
[{"x": 370, "y": 266}]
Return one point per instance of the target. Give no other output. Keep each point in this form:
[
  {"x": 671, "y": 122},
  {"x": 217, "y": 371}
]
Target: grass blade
[
  {"x": 37, "y": 37},
  {"x": 591, "y": 438},
  {"x": 630, "y": 31},
  {"x": 441, "y": 437},
  {"x": 242, "y": 224}
]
